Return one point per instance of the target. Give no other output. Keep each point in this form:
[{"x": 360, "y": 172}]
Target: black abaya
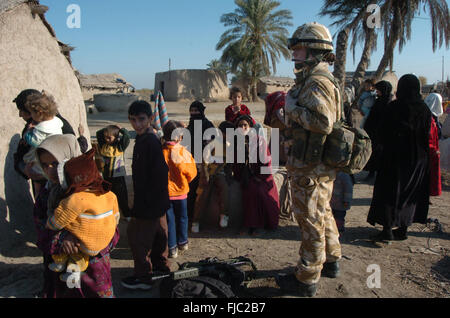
[{"x": 401, "y": 192}]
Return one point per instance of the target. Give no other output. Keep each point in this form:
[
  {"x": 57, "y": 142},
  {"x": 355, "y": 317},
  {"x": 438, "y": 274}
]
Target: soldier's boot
[
  {"x": 290, "y": 283},
  {"x": 330, "y": 270}
]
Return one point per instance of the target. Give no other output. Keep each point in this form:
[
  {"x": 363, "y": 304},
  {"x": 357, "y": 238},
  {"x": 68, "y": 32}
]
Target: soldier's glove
[{"x": 291, "y": 104}]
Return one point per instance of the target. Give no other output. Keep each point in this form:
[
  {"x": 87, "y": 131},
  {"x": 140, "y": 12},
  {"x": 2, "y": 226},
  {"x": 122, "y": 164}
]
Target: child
[
  {"x": 214, "y": 178},
  {"x": 43, "y": 110},
  {"x": 88, "y": 210},
  {"x": 261, "y": 204},
  {"x": 197, "y": 117},
  {"x": 147, "y": 229},
  {"x": 182, "y": 170},
  {"x": 367, "y": 99},
  {"x": 112, "y": 142},
  {"x": 235, "y": 110},
  {"x": 342, "y": 198}
]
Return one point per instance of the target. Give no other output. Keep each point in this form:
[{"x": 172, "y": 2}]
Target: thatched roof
[
  {"x": 103, "y": 81},
  {"x": 277, "y": 81}
]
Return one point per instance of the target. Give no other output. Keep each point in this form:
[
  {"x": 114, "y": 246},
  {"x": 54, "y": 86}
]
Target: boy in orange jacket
[{"x": 182, "y": 170}]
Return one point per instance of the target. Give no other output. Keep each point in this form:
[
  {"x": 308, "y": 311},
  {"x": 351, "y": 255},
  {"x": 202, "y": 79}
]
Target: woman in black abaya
[
  {"x": 373, "y": 122},
  {"x": 402, "y": 185}
]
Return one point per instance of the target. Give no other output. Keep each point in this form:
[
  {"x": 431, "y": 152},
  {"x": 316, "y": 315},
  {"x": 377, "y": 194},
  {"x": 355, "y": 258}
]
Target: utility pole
[{"x": 169, "y": 69}]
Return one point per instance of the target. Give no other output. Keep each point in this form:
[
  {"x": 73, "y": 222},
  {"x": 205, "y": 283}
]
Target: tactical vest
[
  {"x": 346, "y": 148},
  {"x": 307, "y": 146}
]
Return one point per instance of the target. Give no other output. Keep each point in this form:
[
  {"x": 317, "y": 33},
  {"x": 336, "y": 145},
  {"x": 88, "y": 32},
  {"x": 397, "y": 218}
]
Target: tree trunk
[
  {"x": 254, "y": 81},
  {"x": 358, "y": 77},
  {"x": 341, "y": 48},
  {"x": 389, "y": 45},
  {"x": 386, "y": 60},
  {"x": 254, "y": 92},
  {"x": 247, "y": 90},
  {"x": 341, "y": 56}
]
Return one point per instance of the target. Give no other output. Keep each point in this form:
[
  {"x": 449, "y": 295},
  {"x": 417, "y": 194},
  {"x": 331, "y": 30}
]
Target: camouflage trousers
[{"x": 311, "y": 195}]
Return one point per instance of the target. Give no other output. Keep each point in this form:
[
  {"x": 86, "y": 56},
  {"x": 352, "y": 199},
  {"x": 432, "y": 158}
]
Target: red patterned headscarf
[
  {"x": 81, "y": 174},
  {"x": 274, "y": 101}
]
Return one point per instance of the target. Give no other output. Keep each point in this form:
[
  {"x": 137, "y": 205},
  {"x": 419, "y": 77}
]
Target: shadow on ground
[
  {"x": 361, "y": 201},
  {"x": 359, "y": 236},
  {"x": 287, "y": 233},
  {"x": 442, "y": 269},
  {"x": 17, "y": 283}
]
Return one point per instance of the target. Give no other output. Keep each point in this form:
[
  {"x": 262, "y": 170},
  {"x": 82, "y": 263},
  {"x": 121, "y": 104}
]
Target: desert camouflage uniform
[{"x": 317, "y": 100}]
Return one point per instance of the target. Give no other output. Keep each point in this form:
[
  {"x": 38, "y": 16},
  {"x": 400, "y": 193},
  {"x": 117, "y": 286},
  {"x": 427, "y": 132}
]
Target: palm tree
[
  {"x": 238, "y": 59},
  {"x": 351, "y": 16},
  {"x": 397, "y": 17},
  {"x": 218, "y": 65},
  {"x": 370, "y": 44},
  {"x": 256, "y": 38}
]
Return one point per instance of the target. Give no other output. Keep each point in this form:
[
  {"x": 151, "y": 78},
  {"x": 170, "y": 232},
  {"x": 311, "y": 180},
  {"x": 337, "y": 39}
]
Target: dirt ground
[{"x": 417, "y": 267}]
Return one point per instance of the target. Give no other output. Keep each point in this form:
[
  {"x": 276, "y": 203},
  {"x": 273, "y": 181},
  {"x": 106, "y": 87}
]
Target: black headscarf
[
  {"x": 200, "y": 107},
  {"x": 378, "y": 110},
  {"x": 205, "y": 124},
  {"x": 408, "y": 88},
  {"x": 374, "y": 122},
  {"x": 21, "y": 99},
  {"x": 385, "y": 89},
  {"x": 247, "y": 118},
  {"x": 409, "y": 96}
]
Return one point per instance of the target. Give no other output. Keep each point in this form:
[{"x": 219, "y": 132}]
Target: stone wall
[
  {"x": 29, "y": 58},
  {"x": 114, "y": 102},
  {"x": 88, "y": 93},
  {"x": 204, "y": 85}
]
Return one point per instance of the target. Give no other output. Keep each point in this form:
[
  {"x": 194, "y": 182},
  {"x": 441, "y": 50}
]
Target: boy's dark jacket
[{"x": 150, "y": 178}]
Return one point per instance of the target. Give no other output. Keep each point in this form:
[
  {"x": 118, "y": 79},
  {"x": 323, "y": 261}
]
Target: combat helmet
[{"x": 312, "y": 35}]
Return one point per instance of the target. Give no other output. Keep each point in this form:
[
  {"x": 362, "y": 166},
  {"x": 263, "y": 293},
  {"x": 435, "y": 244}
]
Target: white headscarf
[
  {"x": 63, "y": 148},
  {"x": 434, "y": 103}
]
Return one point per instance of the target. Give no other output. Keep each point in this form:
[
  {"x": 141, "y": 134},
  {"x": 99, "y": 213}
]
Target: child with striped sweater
[{"x": 112, "y": 143}]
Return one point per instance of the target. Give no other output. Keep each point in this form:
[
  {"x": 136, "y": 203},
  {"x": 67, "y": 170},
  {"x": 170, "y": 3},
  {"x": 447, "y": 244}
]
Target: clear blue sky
[{"x": 136, "y": 38}]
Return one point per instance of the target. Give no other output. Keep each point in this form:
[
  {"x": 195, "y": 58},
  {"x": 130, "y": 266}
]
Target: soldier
[{"x": 312, "y": 107}]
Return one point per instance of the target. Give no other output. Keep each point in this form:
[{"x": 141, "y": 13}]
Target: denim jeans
[{"x": 177, "y": 222}]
